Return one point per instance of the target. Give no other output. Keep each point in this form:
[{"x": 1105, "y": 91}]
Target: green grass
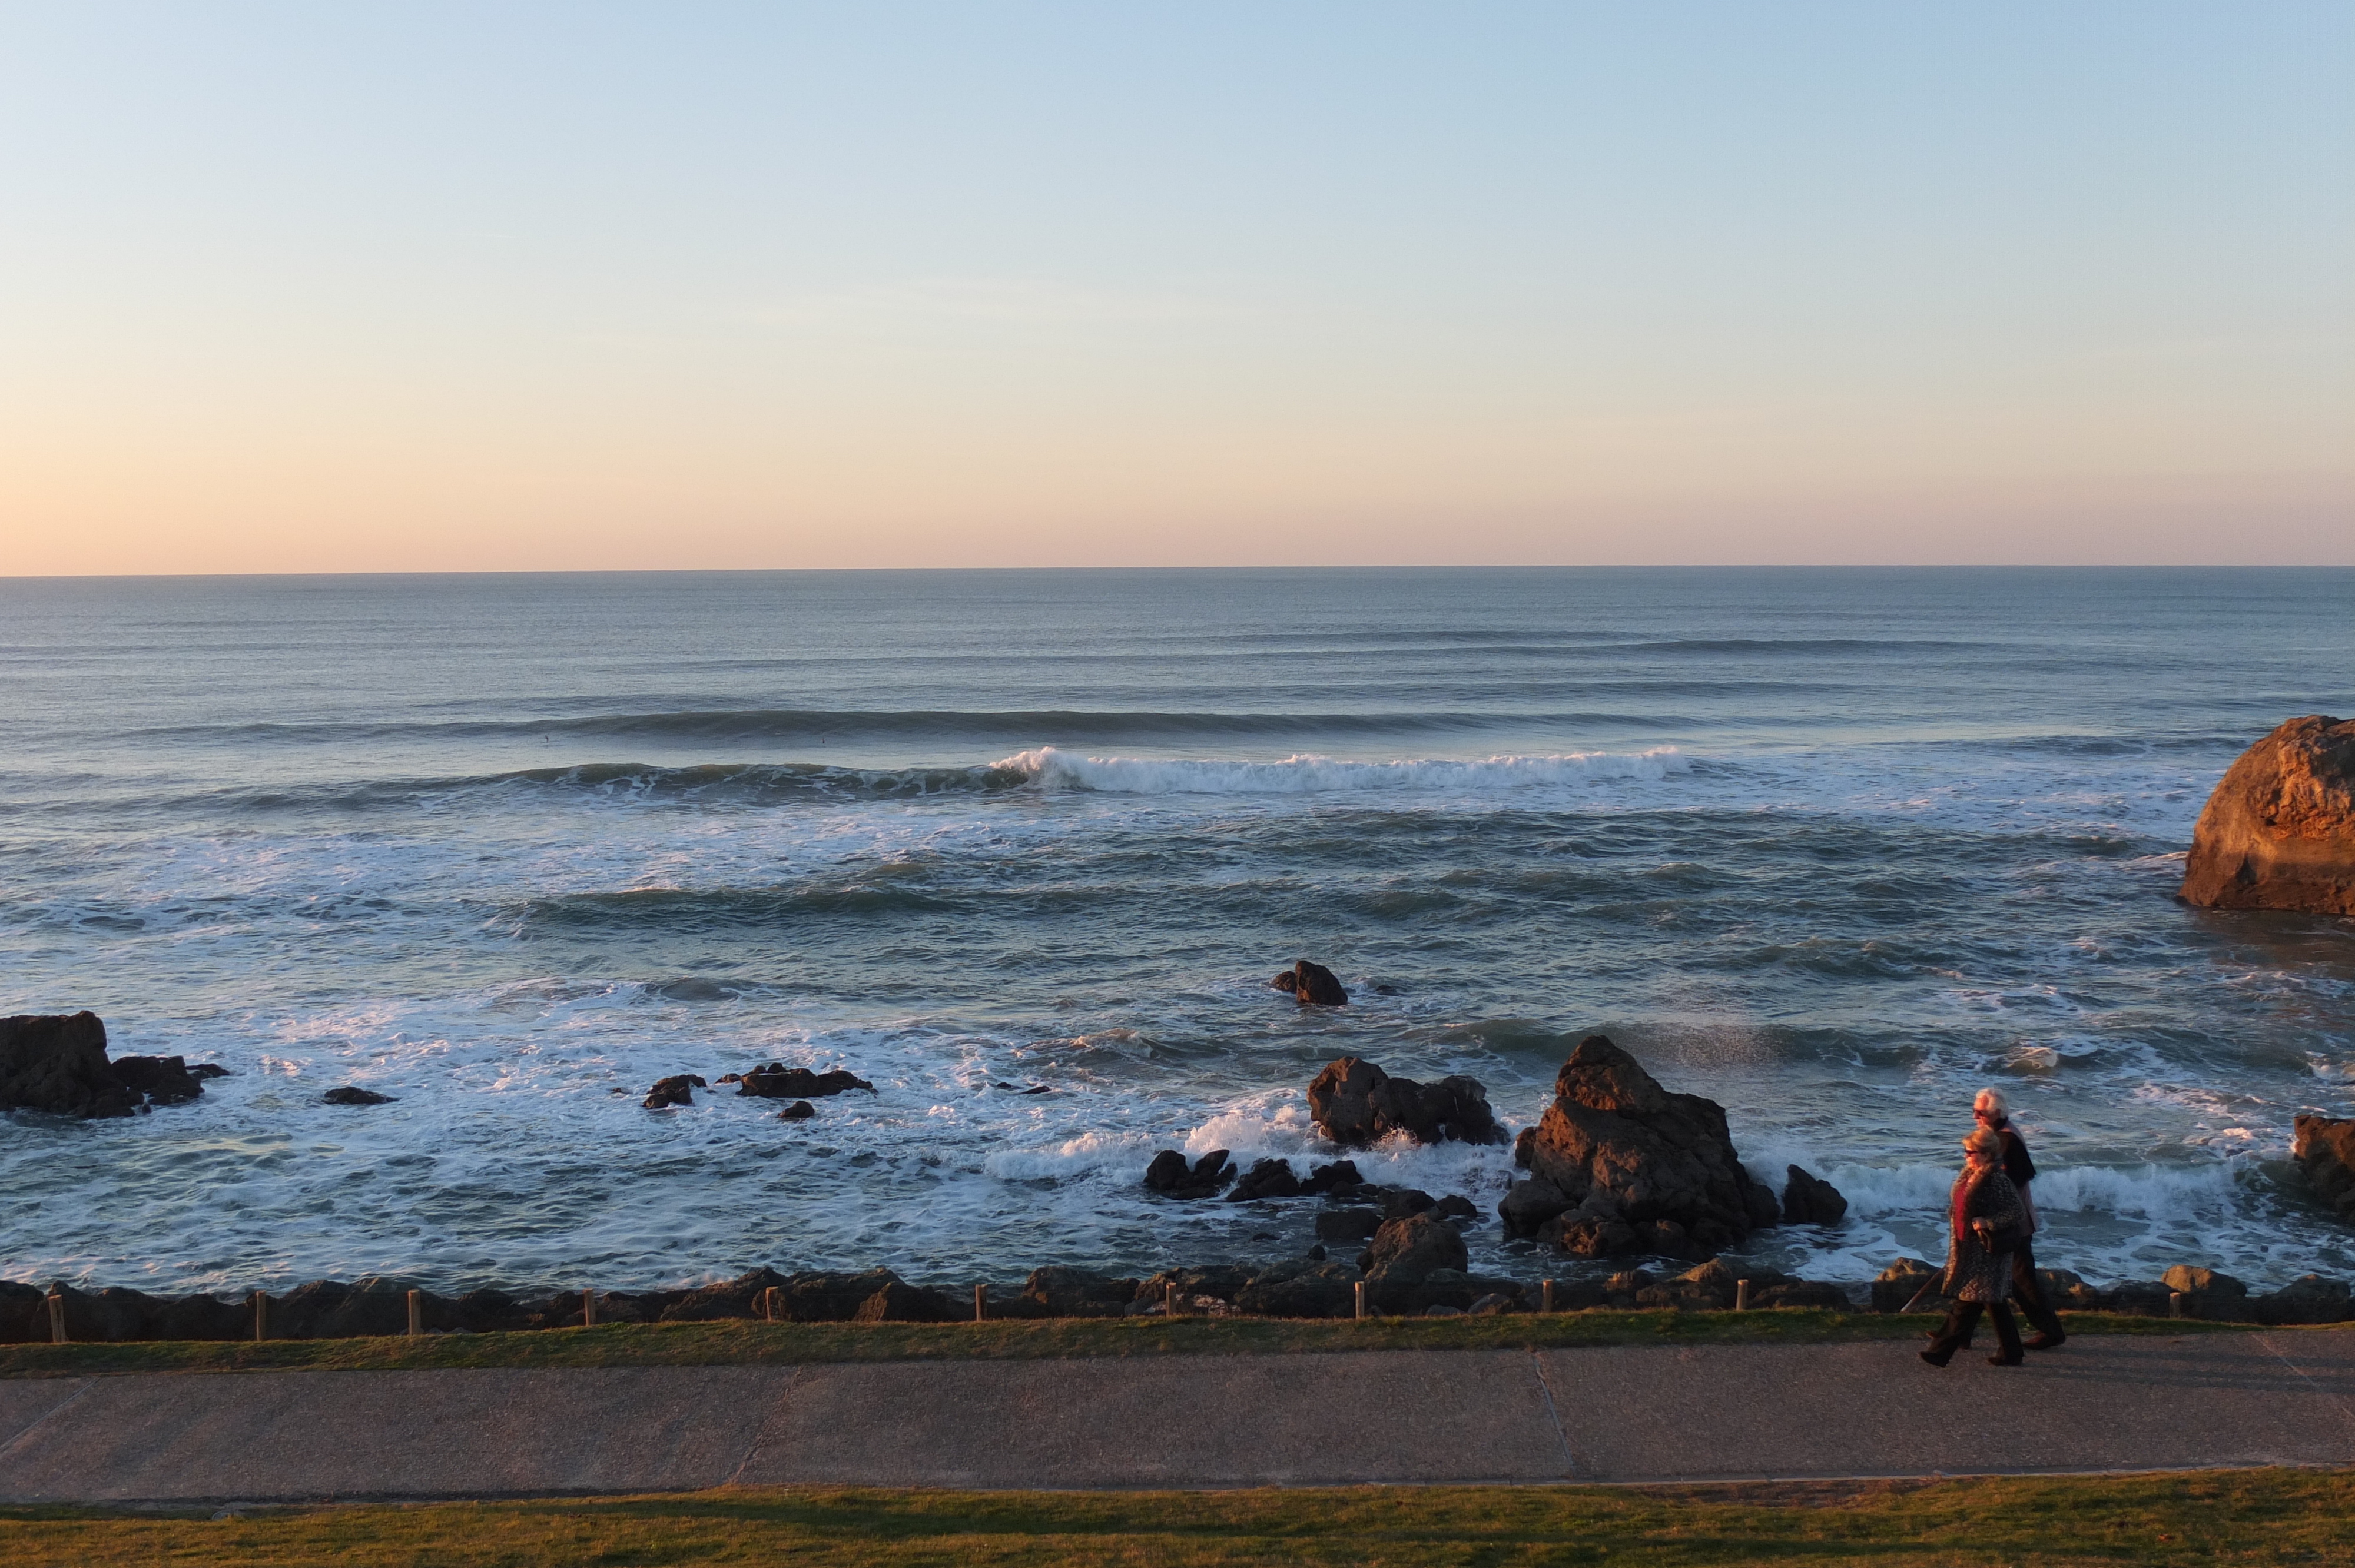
[
  {"x": 2234, "y": 1516},
  {"x": 741, "y": 1343}
]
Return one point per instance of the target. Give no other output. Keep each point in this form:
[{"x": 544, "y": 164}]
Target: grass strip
[
  {"x": 2234, "y": 1516},
  {"x": 740, "y": 1343}
]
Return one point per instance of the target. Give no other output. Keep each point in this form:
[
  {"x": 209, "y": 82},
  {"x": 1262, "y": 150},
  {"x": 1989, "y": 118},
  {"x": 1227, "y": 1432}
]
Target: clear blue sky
[{"x": 420, "y": 286}]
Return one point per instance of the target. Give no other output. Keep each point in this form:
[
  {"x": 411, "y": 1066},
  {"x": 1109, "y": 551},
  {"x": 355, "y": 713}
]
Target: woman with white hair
[
  {"x": 1993, "y": 1114},
  {"x": 1983, "y": 1224}
]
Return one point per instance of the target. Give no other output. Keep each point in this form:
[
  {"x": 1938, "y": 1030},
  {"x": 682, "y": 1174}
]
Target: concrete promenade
[{"x": 1648, "y": 1413}]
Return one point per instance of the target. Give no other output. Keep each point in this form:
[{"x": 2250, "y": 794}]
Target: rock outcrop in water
[
  {"x": 1620, "y": 1165},
  {"x": 2325, "y": 1151},
  {"x": 1170, "y": 1176},
  {"x": 1312, "y": 984},
  {"x": 1809, "y": 1200},
  {"x": 2279, "y": 832},
  {"x": 57, "y": 1063},
  {"x": 1355, "y": 1103},
  {"x": 678, "y": 1089}
]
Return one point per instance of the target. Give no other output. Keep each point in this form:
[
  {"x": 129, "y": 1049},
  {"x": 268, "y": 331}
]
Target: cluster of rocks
[
  {"x": 2183, "y": 1292},
  {"x": 771, "y": 1081},
  {"x": 1355, "y": 1103},
  {"x": 57, "y": 1063}
]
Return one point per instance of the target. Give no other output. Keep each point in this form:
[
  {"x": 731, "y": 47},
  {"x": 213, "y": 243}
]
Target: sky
[{"x": 415, "y": 286}]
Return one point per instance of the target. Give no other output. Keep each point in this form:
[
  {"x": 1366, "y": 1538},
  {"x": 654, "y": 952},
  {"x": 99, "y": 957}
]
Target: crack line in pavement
[
  {"x": 760, "y": 1433},
  {"x": 1569, "y": 1459},
  {"x": 43, "y": 1419},
  {"x": 2308, "y": 1378}
]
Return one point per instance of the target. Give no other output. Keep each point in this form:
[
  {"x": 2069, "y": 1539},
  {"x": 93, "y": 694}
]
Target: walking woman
[
  {"x": 1983, "y": 1224},
  {"x": 1994, "y": 1115}
]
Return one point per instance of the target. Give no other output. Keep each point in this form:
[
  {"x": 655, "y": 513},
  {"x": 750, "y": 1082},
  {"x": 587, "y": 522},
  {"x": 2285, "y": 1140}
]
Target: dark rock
[
  {"x": 1302, "y": 1288},
  {"x": 2064, "y": 1288},
  {"x": 57, "y": 1063},
  {"x": 1312, "y": 985},
  {"x": 2324, "y": 1152},
  {"x": 1491, "y": 1306},
  {"x": 827, "y": 1296},
  {"x": 1802, "y": 1293},
  {"x": 1442, "y": 1312},
  {"x": 207, "y": 1070},
  {"x": 1664, "y": 1159},
  {"x": 1456, "y": 1206},
  {"x": 1530, "y": 1204},
  {"x": 2139, "y": 1298},
  {"x": 479, "y": 1312},
  {"x": 1524, "y": 1144},
  {"x": 898, "y": 1302},
  {"x": 1171, "y": 1176},
  {"x": 736, "y": 1297},
  {"x": 110, "y": 1316},
  {"x": 1398, "y": 1202},
  {"x": 1348, "y": 1224},
  {"x": 778, "y": 1082},
  {"x": 349, "y": 1096},
  {"x": 2217, "y": 1298},
  {"x": 1267, "y": 1179},
  {"x": 199, "y": 1317},
  {"x": 24, "y": 1317},
  {"x": 1355, "y": 1103},
  {"x": 162, "y": 1080},
  {"x": 1811, "y": 1201},
  {"x": 675, "y": 1090},
  {"x": 2279, "y": 832},
  {"x": 800, "y": 1110},
  {"x": 1406, "y": 1250},
  {"x": 1898, "y": 1284},
  {"x": 1218, "y": 1282},
  {"x": 2308, "y": 1298},
  {"x": 1340, "y": 1174},
  {"x": 1058, "y": 1292}
]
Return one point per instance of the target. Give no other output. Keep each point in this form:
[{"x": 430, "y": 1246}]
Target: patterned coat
[{"x": 1973, "y": 1273}]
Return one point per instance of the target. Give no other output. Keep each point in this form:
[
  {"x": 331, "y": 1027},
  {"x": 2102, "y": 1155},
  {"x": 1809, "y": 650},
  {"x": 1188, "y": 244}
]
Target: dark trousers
[
  {"x": 1963, "y": 1321},
  {"x": 2029, "y": 1291}
]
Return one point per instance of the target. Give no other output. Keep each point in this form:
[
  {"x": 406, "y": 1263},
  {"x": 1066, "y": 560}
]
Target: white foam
[
  {"x": 2148, "y": 1192},
  {"x": 1307, "y": 773}
]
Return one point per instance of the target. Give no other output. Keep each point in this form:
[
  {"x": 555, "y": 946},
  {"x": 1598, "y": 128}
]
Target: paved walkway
[{"x": 1648, "y": 1413}]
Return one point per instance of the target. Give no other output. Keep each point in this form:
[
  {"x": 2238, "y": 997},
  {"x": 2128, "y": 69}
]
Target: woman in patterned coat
[{"x": 1983, "y": 1219}]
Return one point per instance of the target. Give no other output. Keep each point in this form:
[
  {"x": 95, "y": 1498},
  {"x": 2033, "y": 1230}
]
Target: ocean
[{"x": 1834, "y": 848}]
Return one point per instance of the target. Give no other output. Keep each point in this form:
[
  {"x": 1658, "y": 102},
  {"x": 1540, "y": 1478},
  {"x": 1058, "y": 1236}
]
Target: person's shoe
[
  {"x": 2005, "y": 1360},
  {"x": 2048, "y": 1341},
  {"x": 1934, "y": 1360}
]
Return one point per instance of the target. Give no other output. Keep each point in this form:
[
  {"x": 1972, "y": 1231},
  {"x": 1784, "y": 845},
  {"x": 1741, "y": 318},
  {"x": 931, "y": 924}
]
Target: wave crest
[{"x": 1308, "y": 773}]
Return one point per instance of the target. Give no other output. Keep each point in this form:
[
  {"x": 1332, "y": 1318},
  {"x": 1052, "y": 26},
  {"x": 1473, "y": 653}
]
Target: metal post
[
  {"x": 589, "y": 1309},
  {"x": 261, "y": 1315},
  {"x": 1742, "y": 1296},
  {"x": 415, "y": 1313},
  {"x": 1545, "y": 1296},
  {"x": 1361, "y": 1299},
  {"x": 980, "y": 1302},
  {"x": 57, "y": 1316}
]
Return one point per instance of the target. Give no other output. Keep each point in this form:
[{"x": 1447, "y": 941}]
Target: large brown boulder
[
  {"x": 1355, "y": 1103},
  {"x": 2325, "y": 1151},
  {"x": 56, "y": 1061},
  {"x": 2279, "y": 832},
  {"x": 1635, "y": 1163}
]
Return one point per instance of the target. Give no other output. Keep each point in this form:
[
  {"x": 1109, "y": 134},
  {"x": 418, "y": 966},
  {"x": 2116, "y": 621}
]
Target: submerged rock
[
  {"x": 1312, "y": 984},
  {"x": 800, "y": 1110},
  {"x": 675, "y": 1090},
  {"x": 1172, "y": 1177},
  {"x": 351, "y": 1096},
  {"x": 165, "y": 1080},
  {"x": 1355, "y": 1103},
  {"x": 2279, "y": 831},
  {"x": 1267, "y": 1179},
  {"x": 778, "y": 1082},
  {"x": 1664, "y": 1162}
]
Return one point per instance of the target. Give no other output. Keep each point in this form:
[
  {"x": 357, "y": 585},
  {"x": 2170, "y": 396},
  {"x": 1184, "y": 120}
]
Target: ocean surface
[{"x": 1834, "y": 848}]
